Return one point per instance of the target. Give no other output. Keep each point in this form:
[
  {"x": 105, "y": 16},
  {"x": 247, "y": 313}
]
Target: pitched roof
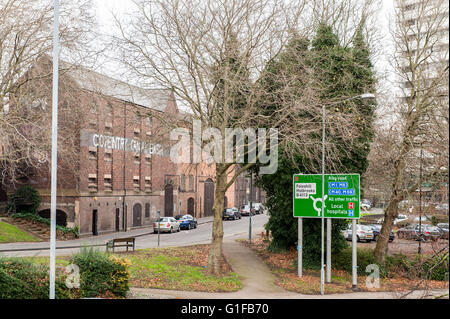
[{"x": 155, "y": 99}]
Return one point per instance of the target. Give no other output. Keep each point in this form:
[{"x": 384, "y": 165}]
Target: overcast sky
[{"x": 104, "y": 9}]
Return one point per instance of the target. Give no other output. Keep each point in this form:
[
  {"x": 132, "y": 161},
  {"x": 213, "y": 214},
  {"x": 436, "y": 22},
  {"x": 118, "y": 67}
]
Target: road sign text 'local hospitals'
[{"x": 341, "y": 195}]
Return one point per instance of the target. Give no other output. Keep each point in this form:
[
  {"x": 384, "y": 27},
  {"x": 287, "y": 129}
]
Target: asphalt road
[{"x": 201, "y": 235}]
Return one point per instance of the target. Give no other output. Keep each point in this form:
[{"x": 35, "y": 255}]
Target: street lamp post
[
  {"x": 54, "y": 162},
  {"x": 322, "y": 273}
]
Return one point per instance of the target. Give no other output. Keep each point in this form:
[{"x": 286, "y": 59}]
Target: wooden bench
[{"x": 128, "y": 242}]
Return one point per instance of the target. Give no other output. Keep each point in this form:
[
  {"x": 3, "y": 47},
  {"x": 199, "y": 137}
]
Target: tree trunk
[
  {"x": 215, "y": 253},
  {"x": 391, "y": 211}
]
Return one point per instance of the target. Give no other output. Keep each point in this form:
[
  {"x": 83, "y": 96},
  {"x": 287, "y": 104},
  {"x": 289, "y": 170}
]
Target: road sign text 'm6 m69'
[{"x": 341, "y": 195}]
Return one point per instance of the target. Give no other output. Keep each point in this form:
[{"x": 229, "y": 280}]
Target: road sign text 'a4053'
[{"x": 341, "y": 195}]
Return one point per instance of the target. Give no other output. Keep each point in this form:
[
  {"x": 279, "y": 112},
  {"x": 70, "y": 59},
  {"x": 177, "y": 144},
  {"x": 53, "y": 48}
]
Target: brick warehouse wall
[{"x": 115, "y": 184}]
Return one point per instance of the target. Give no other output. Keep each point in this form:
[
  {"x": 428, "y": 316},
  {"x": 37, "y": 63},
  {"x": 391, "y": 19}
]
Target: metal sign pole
[
  {"x": 323, "y": 201},
  {"x": 354, "y": 251},
  {"x": 300, "y": 247},
  {"x": 250, "y": 213},
  {"x": 328, "y": 249},
  {"x": 54, "y": 149},
  {"x": 159, "y": 225}
]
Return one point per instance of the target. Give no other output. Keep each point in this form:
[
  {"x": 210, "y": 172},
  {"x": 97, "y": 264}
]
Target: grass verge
[
  {"x": 174, "y": 268},
  {"x": 179, "y": 268},
  {"x": 10, "y": 234}
]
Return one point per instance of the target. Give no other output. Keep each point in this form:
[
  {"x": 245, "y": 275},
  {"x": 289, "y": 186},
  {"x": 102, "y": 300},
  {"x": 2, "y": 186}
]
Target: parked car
[
  {"x": 400, "y": 218},
  {"x": 245, "y": 210},
  {"x": 186, "y": 221},
  {"x": 259, "y": 208},
  {"x": 366, "y": 204},
  {"x": 376, "y": 231},
  {"x": 424, "y": 219},
  {"x": 231, "y": 213},
  {"x": 413, "y": 232},
  {"x": 443, "y": 228},
  {"x": 363, "y": 232},
  {"x": 166, "y": 224}
]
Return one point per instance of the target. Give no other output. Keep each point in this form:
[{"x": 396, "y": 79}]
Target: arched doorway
[
  {"x": 61, "y": 216},
  {"x": 209, "y": 197},
  {"x": 137, "y": 215},
  {"x": 190, "y": 206},
  {"x": 168, "y": 200}
]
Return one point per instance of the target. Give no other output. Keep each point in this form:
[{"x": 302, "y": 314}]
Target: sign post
[
  {"x": 341, "y": 197},
  {"x": 159, "y": 224}
]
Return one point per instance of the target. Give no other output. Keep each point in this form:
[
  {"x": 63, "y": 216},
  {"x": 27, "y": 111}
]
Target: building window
[
  {"x": 108, "y": 127},
  {"x": 93, "y": 108},
  {"x": 191, "y": 183},
  {"x": 137, "y": 117},
  {"x": 92, "y": 182},
  {"x": 107, "y": 182},
  {"x": 93, "y": 124},
  {"x": 137, "y": 158},
  {"x": 148, "y": 159},
  {"x": 136, "y": 182},
  {"x": 137, "y": 132},
  {"x": 148, "y": 184},
  {"x": 182, "y": 182},
  {"x": 108, "y": 156},
  {"x": 109, "y": 110},
  {"x": 92, "y": 153},
  {"x": 148, "y": 120}
]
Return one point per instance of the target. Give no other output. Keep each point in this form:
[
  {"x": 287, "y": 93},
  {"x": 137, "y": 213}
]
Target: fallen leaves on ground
[{"x": 282, "y": 265}]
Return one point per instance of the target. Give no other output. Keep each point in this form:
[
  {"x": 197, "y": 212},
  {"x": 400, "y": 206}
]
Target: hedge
[
  {"x": 20, "y": 279},
  {"x": 101, "y": 273}
]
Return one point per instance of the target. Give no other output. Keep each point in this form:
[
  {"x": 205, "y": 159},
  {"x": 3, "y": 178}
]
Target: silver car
[
  {"x": 166, "y": 224},
  {"x": 363, "y": 232}
]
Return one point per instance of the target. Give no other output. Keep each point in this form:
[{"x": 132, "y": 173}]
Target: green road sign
[{"x": 341, "y": 195}]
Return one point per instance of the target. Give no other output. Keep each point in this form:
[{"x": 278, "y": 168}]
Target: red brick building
[{"x": 123, "y": 174}]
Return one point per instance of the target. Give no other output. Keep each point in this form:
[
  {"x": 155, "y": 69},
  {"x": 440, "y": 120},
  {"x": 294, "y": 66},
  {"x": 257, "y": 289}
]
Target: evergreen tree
[{"x": 339, "y": 72}]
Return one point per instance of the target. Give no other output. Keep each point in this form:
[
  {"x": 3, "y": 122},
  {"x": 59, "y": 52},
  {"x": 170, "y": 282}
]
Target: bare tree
[
  {"x": 25, "y": 45},
  {"x": 421, "y": 63},
  {"x": 214, "y": 55}
]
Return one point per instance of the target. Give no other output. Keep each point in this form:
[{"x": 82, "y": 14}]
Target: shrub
[
  {"x": 20, "y": 279},
  {"x": 343, "y": 260},
  {"x": 437, "y": 267},
  {"x": 436, "y": 219},
  {"x": 26, "y": 199},
  {"x": 101, "y": 273}
]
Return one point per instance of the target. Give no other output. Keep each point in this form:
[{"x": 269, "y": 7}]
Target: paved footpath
[{"x": 258, "y": 283}]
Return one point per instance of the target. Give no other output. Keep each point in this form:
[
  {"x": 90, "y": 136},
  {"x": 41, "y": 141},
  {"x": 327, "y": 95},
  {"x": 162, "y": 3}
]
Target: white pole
[
  {"x": 54, "y": 148},
  {"x": 328, "y": 249},
  {"x": 323, "y": 203},
  {"x": 300, "y": 247},
  {"x": 354, "y": 251}
]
